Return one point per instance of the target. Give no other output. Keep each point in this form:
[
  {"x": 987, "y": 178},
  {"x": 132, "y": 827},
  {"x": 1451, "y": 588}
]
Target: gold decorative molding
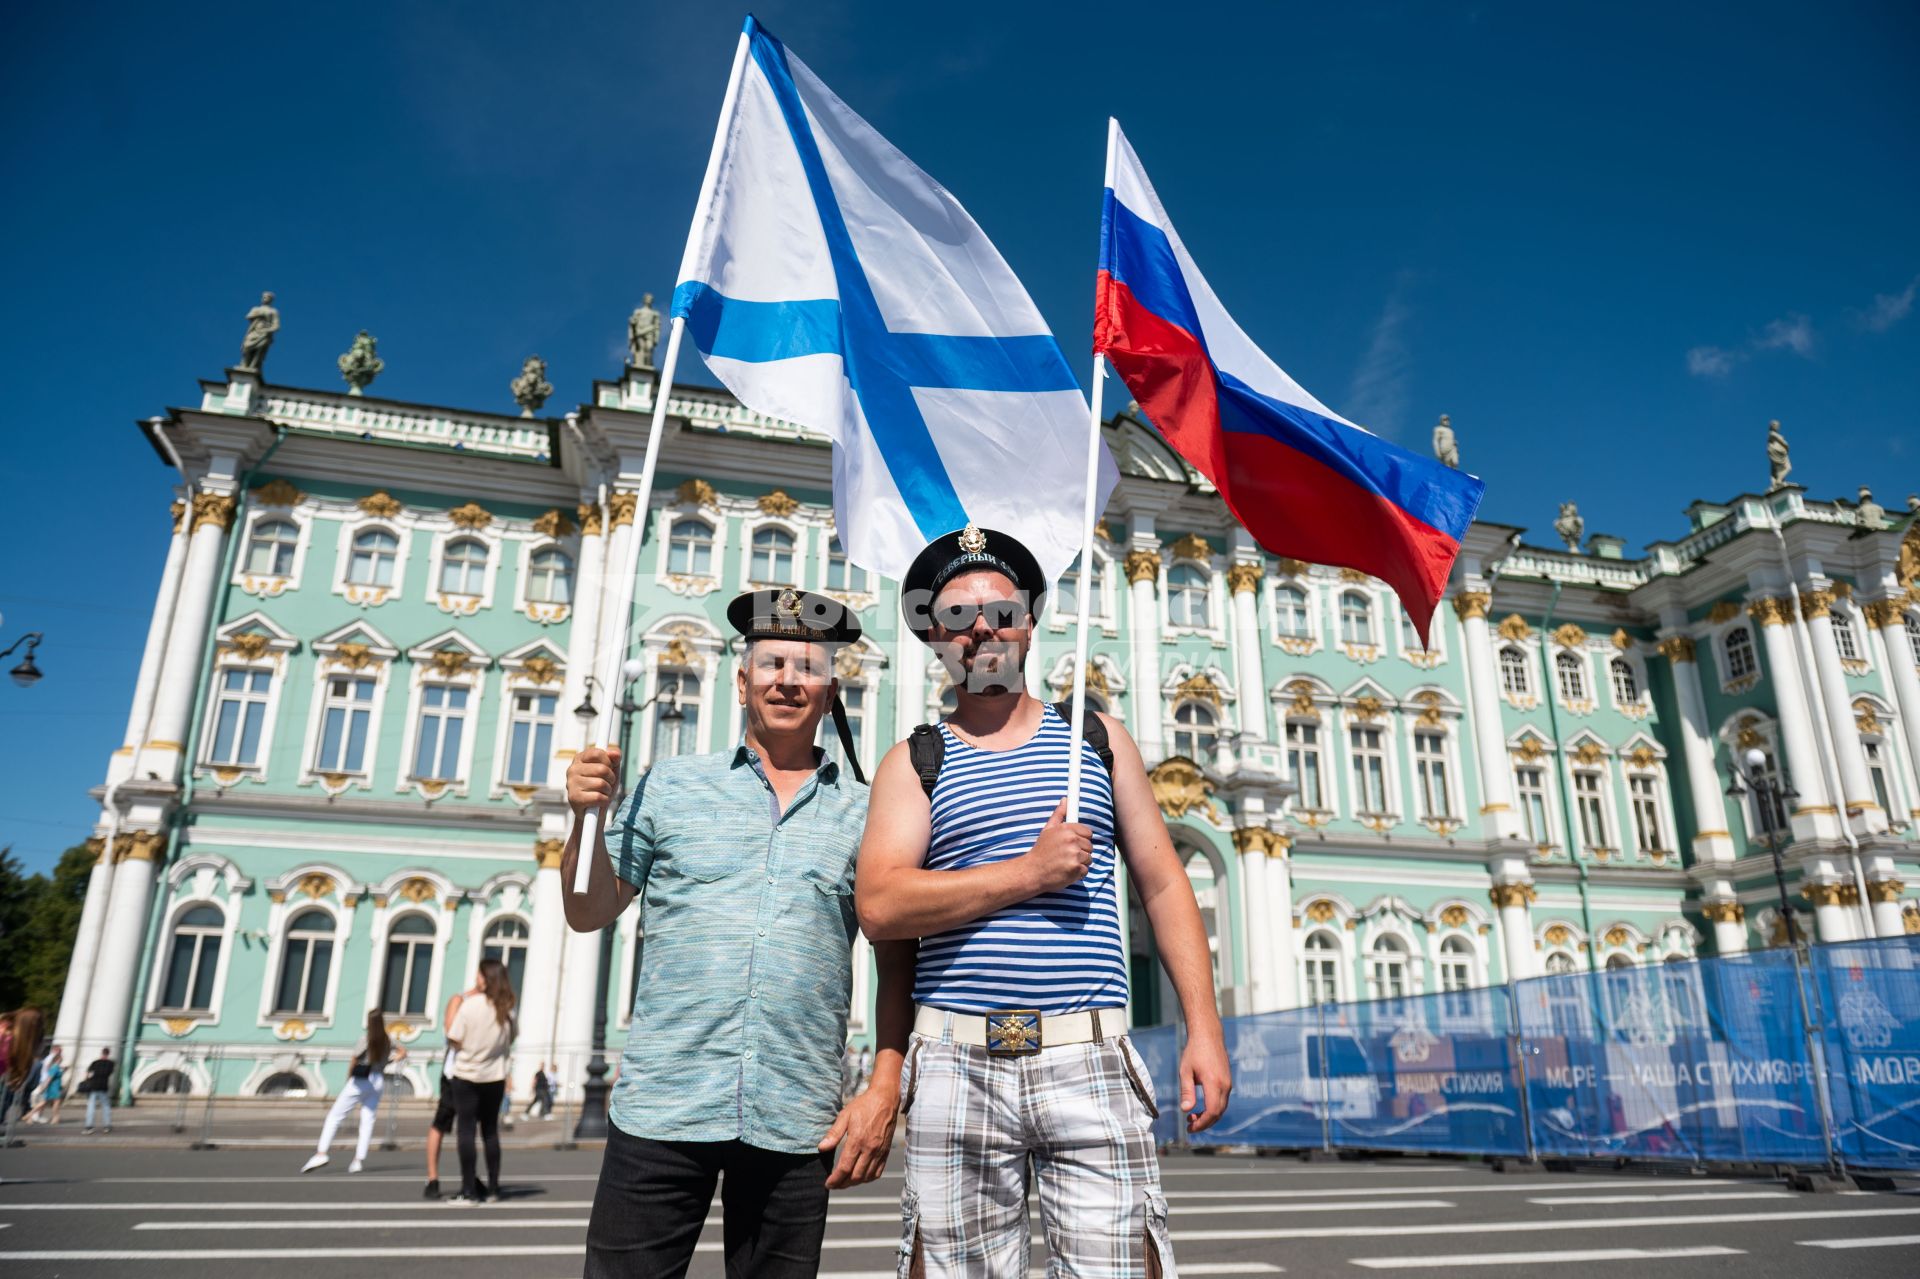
[
  {"x": 433, "y": 789},
  {"x": 1590, "y": 754},
  {"x": 136, "y": 846},
  {"x": 470, "y": 515},
  {"x": 380, "y": 504},
  {"x": 1910, "y": 918},
  {"x": 1243, "y": 578},
  {"x": 1883, "y": 614},
  {"x": 1772, "y": 611},
  {"x": 1616, "y": 936},
  {"x": 418, "y": 890},
  {"x": 1102, "y": 532},
  {"x": 293, "y": 1028},
  {"x": 1723, "y": 611},
  {"x": 97, "y": 845},
  {"x": 547, "y": 852},
  {"x": 621, "y": 505},
  {"x": 1724, "y": 912},
  {"x": 276, "y": 895},
  {"x": 1884, "y": 890},
  {"x": 316, "y": 885},
  {"x": 1321, "y": 912},
  {"x": 1256, "y": 839},
  {"x": 1142, "y": 565},
  {"x": 176, "y": 509},
  {"x": 1570, "y": 636},
  {"x": 1748, "y": 735},
  {"x": 277, "y": 492},
  {"x": 1096, "y": 683},
  {"x": 1849, "y": 895},
  {"x": 1455, "y": 916},
  {"x": 1472, "y": 604},
  {"x": 1514, "y": 627},
  {"x": 1505, "y": 895},
  {"x": 1676, "y": 648},
  {"x": 1622, "y": 640},
  {"x": 1366, "y": 708},
  {"x": 677, "y": 653},
  {"x": 1200, "y": 685},
  {"x": 540, "y": 669},
  {"x": 353, "y": 656},
  {"x": 1354, "y": 575},
  {"x": 1290, "y": 567},
  {"x": 554, "y": 523},
  {"x": 451, "y": 661},
  {"x": 778, "y": 504},
  {"x": 696, "y": 492},
  {"x": 592, "y": 520},
  {"x": 212, "y": 508},
  {"x": 227, "y": 776},
  {"x": 1816, "y": 602},
  {"x": 846, "y": 664},
  {"x": 178, "y": 1026},
  {"x": 1302, "y": 705},
  {"x": 1530, "y": 748},
  {"x": 249, "y": 647},
  {"x": 1429, "y": 703},
  {"x": 1643, "y": 757},
  {"x": 1865, "y": 718},
  {"x": 1193, "y": 547},
  {"x": 1824, "y": 894},
  {"x": 1557, "y": 935},
  {"x": 1179, "y": 787}
]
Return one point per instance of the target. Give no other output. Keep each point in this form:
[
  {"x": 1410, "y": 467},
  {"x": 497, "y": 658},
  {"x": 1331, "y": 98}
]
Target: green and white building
[{"x": 340, "y": 780}]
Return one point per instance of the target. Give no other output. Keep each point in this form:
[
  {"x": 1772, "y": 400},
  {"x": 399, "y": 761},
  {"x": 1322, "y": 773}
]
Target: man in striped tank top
[{"x": 1019, "y": 1066}]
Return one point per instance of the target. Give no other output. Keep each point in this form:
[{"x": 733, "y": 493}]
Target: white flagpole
[
  {"x": 1085, "y": 602},
  {"x": 615, "y": 656}
]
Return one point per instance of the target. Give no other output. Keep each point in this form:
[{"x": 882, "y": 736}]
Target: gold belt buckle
[{"x": 1013, "y": 1032}]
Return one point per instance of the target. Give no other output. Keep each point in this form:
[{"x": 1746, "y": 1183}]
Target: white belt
[{"x": 1019, "y": 1032}]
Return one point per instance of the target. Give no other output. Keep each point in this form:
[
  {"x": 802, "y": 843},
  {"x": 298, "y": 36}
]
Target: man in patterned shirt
[
  {"x": 1020, "y": 1068},
  {"x": 731, "y": 1071}
]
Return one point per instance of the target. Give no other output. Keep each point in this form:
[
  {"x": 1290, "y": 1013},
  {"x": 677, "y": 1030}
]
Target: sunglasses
[{"x": 1001, "y": 615}]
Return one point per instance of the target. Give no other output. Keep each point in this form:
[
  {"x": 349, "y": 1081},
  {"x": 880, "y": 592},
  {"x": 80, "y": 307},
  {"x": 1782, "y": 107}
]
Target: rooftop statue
[
  {"x": 1869, "y": 513},
  {"x": 1445, "y": 447},
  {"x": 643, "y": 333},
  {"x": 531, "y": 388},
  {"x": 262, "y": 323},
  {"x": 1777, "y": 460},
  {"x": 362, "y": 363},
  {"x": 1570, "y": 526}
]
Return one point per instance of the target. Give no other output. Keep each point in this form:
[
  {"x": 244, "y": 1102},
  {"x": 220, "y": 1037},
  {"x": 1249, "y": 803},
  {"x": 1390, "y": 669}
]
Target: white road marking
[
  {"x": 1661, "y": 1199},
  {"x": 301, "y": 1254},
  {"x": 1542, "y": 1258},
  {"x": 1879, "y": 1241},
  {"x": 297, "y": 1205},
  {"x": 1356, "y": 1192},
  {"x": 1529, "y": 1227},
  {"x": 1186, "y": 1268}
]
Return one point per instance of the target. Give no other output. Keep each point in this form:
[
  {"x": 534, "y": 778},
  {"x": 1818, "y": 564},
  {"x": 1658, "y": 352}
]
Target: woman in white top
[
  {"x": 482, "y": 1034},
  {"x": 366, "y": 1078}
]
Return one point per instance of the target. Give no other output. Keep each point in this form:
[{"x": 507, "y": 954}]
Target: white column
[
  {"x": 152, "y": 655},
  {"x": 583, "y": 631},
  {"x": 125, "y": 932},
  {"x": 1729, "y": 926},
  {"x": 616, "y": 596},
  {"x": 1251, "y": 843},
  {"x": 1286, "y": 965},
  {"x": 1143, "y": 618},
  {"x": 1514, "y": 902},
  {"x": 1483, "y": 705},
  {"x": 1887, "y": 617},
  {"x": 1884, "y": 894},
  {"x": 1830, "y": 911},
  {"x": 909, "y": 682},
  {"x": 1243, "y": 579},
  {"x": 86, "y": 951},
  {"x": 1817, "y": 608},
  {"x": 180, "y": 672},
  {"x": 1711, "y": 841},
  {"x": 1816, "y": 816},
  {"x": 540, "y": 983}
]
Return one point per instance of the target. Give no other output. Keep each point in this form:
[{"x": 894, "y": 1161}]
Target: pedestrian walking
[
  {"x": 542, "y": 1094},
  {"x": 98, "y": 1086},
  {"x": 366, "y": 1080},
  {"x": 482, "y": 1034},
  {"x": 54, "y": 1092},
  {"x": 443, "y": 1111}
]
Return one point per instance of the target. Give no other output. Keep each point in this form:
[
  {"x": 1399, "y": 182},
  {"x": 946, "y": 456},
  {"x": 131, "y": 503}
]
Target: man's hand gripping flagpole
[{"x": 615, "y": 656}]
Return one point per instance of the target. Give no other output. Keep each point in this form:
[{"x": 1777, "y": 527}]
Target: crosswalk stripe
[
  {"x": 1660, "y": 1199},
  {"x": 1878, "y": 1241},
  {"x": 1545, "y": 1224},
  {"x": 1358, "y": 1192},
  {"x": 1543, "y": 1258}
]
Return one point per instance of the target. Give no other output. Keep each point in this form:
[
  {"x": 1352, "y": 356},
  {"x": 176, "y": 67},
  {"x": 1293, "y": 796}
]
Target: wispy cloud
[
  {"x": 1788, "y": 333},
  {"x": 1377, "y": 399},
  {"x": 1889, "y": 309}
]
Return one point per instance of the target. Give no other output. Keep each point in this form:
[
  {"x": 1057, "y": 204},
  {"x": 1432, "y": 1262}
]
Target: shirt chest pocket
[
  {"x": 712, "y": 844},
  {"x": 829, "y": 870}
]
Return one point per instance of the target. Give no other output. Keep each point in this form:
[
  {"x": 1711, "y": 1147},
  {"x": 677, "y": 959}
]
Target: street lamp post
[
  {"x": 26, "y": 674},
  {"x": 1775, "y": 800},
  {"x": 592, "y": 1125}
]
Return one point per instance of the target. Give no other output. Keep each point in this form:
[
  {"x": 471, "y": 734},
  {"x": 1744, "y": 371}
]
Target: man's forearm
[
  {"x": 1181, "y": 939},
  {"x": 892, "y": 1011},
  {"x": 909, "y": 903},
  {"x": 600, "y": 905}
]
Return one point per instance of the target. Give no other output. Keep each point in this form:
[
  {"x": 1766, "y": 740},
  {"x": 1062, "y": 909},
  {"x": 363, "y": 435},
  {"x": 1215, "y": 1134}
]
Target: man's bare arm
[
  {"x": 590, "y": 784},
  {"x": 899, "y": 899}
]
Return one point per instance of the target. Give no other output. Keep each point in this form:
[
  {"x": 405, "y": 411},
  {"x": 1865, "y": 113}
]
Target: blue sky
[{"x": 1611, "y": 240}]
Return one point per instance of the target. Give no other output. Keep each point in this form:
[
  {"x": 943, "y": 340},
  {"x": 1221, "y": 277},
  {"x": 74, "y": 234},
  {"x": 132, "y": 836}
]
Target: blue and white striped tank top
[{"x": 1059, "y": 952}]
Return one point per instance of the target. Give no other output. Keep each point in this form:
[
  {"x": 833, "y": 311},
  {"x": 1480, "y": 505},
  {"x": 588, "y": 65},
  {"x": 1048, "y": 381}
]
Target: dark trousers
[
  {"x": 475, "y": 1103},
  {"x": 654, "y": 1196}
]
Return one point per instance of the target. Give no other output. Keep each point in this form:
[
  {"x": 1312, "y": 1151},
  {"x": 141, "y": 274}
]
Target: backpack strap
[
  {"x": 927, "y": 751},
  {"x": 1093, "y": 732}
]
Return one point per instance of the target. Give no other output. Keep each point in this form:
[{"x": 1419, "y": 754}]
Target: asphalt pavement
[{"x": 132, "y": 1212}]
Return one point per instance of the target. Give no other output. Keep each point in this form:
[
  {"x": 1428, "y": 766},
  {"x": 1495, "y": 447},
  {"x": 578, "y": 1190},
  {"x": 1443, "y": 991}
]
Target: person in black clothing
[
  {"x": 542, "y": 1094},
  {"x": 98, "y": 1086}
]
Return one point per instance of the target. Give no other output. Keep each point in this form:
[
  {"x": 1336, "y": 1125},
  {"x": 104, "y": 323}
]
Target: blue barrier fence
[{"x": 1695, "y": 1061}]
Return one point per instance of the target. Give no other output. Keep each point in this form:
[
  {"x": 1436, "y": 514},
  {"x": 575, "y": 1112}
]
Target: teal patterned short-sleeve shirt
[{"x": 740, "y": 1010}]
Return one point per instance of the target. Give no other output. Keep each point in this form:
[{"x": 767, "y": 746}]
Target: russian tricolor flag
[{"x": 1307, "y": 483}]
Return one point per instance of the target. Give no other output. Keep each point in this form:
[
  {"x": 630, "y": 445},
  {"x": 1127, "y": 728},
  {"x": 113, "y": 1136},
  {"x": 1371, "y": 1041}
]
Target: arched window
[
  {"x": 1513, "y": 673},
  {"x": 1626, "y": 688},
  {"x": 1322, "y": 965},
  {"x": 1067, "y": 601},
  {"x": 1292, "y": 613},
  {"x": 193, "y": 959},
  {"x": 1876, "y": 753},
  {"x": 283, "y": 1084},
  {"x": 1845, "y": 637},
  {"x": 270, "y": 549},
  {"x": 506, "y": 941},
  {"x": 550, "y": 577},
  {"x": 1389, "y": 965},
  {"x": 676, "y": 736},
  {"x": 1738, "y": 648},
  {"x": 772, "y": 562},
  {"x": 374, "y": 552},
  {"x": 409, "y": 966},
  {"x": 1196, "y": 731},
  {"x": 1187, "y": 595},
  {"x": 1560, "y": 964},
  {"x": 842, "y": 573},
  {"x": 1571, "y": 673},
  {"x": 1456, "y": 964},
  {"x": 1913, "y": 636},
  {"x": 1616, "y": 962},
  {"x": 163, "y": 1083},
  {"x": 1356, "y": 618},
  {"x": 690, "y": 549},
  {"x": 305, "y": 961},
  {"x": 463, "y": 567}
]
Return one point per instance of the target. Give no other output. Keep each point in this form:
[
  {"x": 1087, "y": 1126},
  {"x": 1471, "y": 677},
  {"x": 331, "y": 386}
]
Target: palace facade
[{"x": 339, "y": 785}]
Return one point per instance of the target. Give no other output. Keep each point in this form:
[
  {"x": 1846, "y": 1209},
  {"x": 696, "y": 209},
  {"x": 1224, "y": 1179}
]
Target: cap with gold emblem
[
  {"x": 967, "y": 550},
  {"x": 782, "y": 613}
]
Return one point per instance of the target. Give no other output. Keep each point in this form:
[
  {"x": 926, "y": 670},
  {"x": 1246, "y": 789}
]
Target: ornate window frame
[
  {"x": 802, "y": 549},
  {"x": 1362, "y": 586},
  {"x": 251, "y": 643},
  {"x": 1726, "y": 618},
  {"x": 538, "y": 666},
  {"x": 1875, "y": 719},
  {"x": 1586, "y": 755},
  {"x": 197, "y": 879},
  {"x": 1742, "y": 730},
  {"x": 1305, "y": 700},
  {"x": 270, "y": 585},
  {"x": 1421, "y": 659},
  {"x": 823, "y": 556},
  {"x": 396, "y": 523},
  {"x": 1528, "y": 747},
  {"x": 445, "y": 533},
  {"x": 1192, "y": 552},
  {"x": 1626, "y": 649},
  {"x": 687, "y": 641},
  {"x": 1642, "y": 756},
  {"x": 294, "y": 893},
  {"x": 1432, "y": 708},
  {"x": 553, "y": 531},
  {"x": 454, "y": 661},
  {"x": 697, "y": 501},
  {"x": 1842, "y": 614},
  {"x": 445, "y": 900},
  {"x": 1301, "y": 580},
  {"x": 1105, "y": 681},
  {"x": 1327, "y": 914},
  {"x": 1188, "y": 682},
  {"x": 355, "y": 650},
  {"x": 1570, "y": 643},
  {"x": 1367, "y": 705}
]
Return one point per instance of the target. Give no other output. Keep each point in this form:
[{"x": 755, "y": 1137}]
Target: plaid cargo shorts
[{"x": 1076, "y": 1119}]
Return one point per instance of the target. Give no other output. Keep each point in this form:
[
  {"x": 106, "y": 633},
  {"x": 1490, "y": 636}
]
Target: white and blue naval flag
[{"x": 829, "y": 282}]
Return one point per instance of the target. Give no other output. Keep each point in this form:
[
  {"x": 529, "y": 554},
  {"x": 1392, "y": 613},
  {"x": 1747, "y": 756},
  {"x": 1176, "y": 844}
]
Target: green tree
[{"x": 39, "y": 916}]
